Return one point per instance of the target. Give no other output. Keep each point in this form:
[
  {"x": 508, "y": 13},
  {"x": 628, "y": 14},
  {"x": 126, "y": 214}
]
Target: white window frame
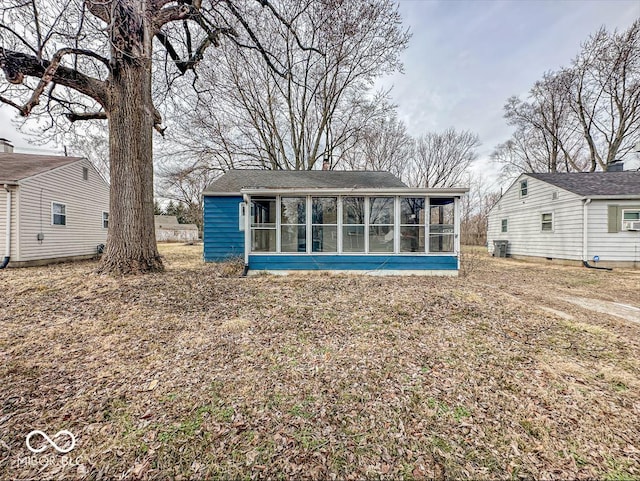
[
  {"x": 525, "y": 183},
  {"x": 103, "y": 219},
  {"x": 543, "y": 222},
  {"x": 247, "y": 224},
  {"x": 624, "y": 211},
  {"x": 504, "y": 226},
  {"x": 64, "y": 206}
]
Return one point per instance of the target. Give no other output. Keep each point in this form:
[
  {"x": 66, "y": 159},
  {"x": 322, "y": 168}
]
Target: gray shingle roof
[
  {"x": 235, "y": 180},
  {"x": 594, "y": 183},
  {"x": 15, "y": 167}
]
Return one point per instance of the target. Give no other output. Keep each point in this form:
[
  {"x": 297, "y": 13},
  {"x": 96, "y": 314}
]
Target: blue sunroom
[{"x": 371, "y": 222}]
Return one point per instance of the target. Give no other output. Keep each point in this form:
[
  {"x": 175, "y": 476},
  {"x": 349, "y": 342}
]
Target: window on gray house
[
  {"x": 524, "y": 188},
  {"x": 504, "y": 225},
  {"x": 58, "y": 213},
  {"x": 105, "y": 220},
  {"x": 547, "y": 222},
  {"x": 85, "y": 173}
]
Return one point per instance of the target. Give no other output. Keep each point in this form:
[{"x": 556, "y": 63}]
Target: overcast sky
[{"x": 467, "y": 57}]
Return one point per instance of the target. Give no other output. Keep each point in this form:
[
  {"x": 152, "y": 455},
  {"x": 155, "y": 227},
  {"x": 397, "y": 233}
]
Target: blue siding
[
  {"x": 351, "y": 262},
  {"x": 222, "y": 237}
]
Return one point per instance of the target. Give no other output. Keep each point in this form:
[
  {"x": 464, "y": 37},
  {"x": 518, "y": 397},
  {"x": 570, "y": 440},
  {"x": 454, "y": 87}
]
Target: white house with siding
[
  {"x": 581, "y": 217},
  {"x": 58, "y": 208}
]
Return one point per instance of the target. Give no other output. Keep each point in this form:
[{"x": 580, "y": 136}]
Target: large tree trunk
[{"x": 131, "y": 242}]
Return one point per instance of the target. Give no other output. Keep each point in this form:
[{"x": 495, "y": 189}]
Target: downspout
[
  {"x": 247, "y": 233},
  {"x": 585, "y": 238},
  {"x": 7, "y": 256}
]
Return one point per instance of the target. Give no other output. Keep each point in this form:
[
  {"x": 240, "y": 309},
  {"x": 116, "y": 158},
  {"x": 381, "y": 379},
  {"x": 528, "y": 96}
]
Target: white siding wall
[
  {"x": 85, "y": 201},
  {"x": 523, "y": 215},
  {"x": 618, "y": 246},
  {"x": 3, "y": 222}
]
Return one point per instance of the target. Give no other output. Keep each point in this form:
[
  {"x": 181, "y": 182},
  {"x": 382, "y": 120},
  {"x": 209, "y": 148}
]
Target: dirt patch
[{"x": 624, "y": 311}]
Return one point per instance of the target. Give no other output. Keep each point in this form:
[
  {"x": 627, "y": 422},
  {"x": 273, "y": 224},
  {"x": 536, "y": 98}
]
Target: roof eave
[
  {"x": 357, "y": 190},
  {"x": 612, "y": 197}
]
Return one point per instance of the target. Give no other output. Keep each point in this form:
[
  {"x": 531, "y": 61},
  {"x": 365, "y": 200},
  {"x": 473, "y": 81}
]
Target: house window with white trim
[
  {"x": 58, "y": 213},
  {"x": 547, "y": 222},
  {"x": 524, "y": 188},
  {"x": 631, "y": 219},
  {"x": 105, "y": 220},
  {"x": 505, "y": 225}
]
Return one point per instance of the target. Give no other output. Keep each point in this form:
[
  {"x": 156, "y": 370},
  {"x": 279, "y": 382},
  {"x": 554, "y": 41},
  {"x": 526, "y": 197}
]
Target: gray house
[
  {"x": 580, "y": 217},
  {"x": 52, "y": 208},
  {"x": 168, "y": 229}
]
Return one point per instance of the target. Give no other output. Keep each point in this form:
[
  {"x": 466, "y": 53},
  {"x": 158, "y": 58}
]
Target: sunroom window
[
  {"x": 293, "y": 224},
  {"x": 412, "y": 232},
  {"x": 263, "y": 224},
  {"x": 441, "y": 223},
  {"x": 381, "y": 221},
  {"x": 324, "y": 224},
  {"x": 353, "y": 224}
]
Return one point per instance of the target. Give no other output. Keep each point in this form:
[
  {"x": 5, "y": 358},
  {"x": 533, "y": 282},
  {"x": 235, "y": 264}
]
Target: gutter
[
  {"x": 7, "y": 256},
  {"x": 436, "y": 192}
]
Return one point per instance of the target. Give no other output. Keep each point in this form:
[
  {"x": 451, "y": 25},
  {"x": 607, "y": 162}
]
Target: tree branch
[
  {"x": 17, "y": 65},
  {"x": 75, "y": 116},
  {"x": 50, "y": 71}
]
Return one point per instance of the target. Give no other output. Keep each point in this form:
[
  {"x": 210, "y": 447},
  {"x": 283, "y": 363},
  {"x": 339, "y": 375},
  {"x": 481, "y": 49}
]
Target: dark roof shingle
[
  {"x": 594, "y": 183},
  {"x": 15, "y": 167},
  {"x": 236, "y": 180}
]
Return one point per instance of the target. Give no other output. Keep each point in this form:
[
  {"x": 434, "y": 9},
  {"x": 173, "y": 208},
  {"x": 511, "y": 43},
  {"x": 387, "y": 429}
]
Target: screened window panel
[
  {"x": 353, "y": 238},
  {"x": 324, "y": 238}
]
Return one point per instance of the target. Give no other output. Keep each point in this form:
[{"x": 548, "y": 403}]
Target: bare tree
[
  {"x": 606, "y": 94},
  {"x": 442, "y": 159},
  {"x": 552, "y": 140},
  {"x": 249, "y": 115},
  {"x": 475, "y": 210},
  {"x": 580, "y": 118},
  {"x": 383, "y": 145},
  {"x": 185, "y": 184},
  {"x": 94, "y": 59}
]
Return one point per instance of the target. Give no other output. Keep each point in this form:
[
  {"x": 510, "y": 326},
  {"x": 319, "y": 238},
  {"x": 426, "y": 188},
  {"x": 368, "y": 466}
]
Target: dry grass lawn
[{"x": 198, "y": 374}]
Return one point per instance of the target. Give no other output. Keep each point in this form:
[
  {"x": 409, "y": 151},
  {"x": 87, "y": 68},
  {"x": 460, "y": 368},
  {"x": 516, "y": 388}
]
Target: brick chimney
[
  {"x": 326, "y": 165},
  {"x": 6, "y": 147}
]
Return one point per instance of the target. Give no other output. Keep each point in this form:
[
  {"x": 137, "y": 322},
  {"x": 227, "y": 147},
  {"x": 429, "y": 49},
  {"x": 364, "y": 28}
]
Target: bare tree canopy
[
  {"x": 94, "y": 59},
  {"x": 383, "y": 145},
  {"x": 248, "y": 114},
  {"x": 442, "y": 158},
  {"x": 582, "y": 117}
]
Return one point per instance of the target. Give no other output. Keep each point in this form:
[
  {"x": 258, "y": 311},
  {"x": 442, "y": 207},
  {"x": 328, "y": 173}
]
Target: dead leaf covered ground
[{"x": 198, "y": 374}]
